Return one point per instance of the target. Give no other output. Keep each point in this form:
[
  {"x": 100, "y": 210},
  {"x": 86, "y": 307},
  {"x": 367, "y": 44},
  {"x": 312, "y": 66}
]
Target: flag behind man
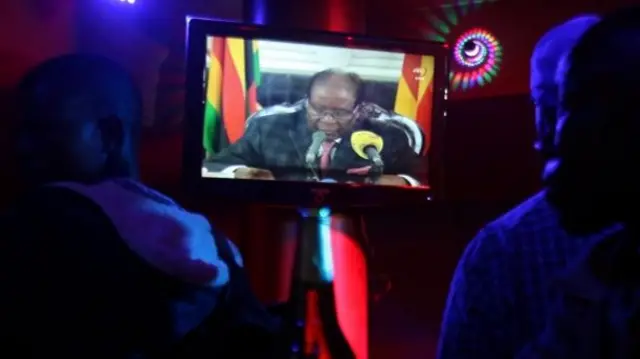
[
  {"x": 234, "y": 67},
  {"x": 414, "y": 97}
]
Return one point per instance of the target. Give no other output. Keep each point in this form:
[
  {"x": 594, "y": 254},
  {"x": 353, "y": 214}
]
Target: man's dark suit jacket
[
  {"x": 73, "y": 288},
  {"x": 278, "y": 137}
]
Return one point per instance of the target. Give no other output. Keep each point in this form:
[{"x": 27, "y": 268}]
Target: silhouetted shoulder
[
  {"x": 56, "y": 236},
  {"x": 534, "y": 226},
  {"x": 519, "y": 226},
  {"x": 50, "y": 205},
  {"x": 533, "y": 209}
]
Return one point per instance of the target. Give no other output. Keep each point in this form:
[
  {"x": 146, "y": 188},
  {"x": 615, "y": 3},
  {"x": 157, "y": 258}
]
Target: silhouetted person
[
  {"x": 597, "y": 315},
  {"x": 499, "y": 294},
  {"x": 94, "y": 263}
]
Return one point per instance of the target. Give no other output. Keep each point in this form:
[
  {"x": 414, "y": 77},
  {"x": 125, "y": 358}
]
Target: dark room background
[{"x": 489, "y": 159}]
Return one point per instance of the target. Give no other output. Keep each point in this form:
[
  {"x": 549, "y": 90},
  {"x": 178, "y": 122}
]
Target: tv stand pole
[{"x": 314, "y": 326}]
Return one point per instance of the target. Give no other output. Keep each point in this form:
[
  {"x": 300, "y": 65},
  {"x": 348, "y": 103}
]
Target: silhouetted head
[
  {"x": 547, "y": 55},
  {"x": 599, "y": 125},
  {"x": 333, "y": 97},
  {"x": 80, "y": 121}
]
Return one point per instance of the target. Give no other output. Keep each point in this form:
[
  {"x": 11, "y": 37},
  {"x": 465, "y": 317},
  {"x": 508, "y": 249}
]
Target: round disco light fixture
[{"x": 478, "y": 55}]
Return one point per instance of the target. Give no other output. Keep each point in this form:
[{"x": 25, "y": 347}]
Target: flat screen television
[{"x": 312, "y": 119}]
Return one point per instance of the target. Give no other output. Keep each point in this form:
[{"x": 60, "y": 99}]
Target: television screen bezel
[{"x": 294, "y": 193}]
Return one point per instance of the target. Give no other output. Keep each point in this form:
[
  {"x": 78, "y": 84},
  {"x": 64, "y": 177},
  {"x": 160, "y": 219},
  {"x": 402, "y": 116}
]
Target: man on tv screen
[{"x": 331, "y": 136}]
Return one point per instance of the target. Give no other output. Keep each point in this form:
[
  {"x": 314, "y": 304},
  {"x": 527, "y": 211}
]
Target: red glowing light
[{"x": 351, "y": 292}]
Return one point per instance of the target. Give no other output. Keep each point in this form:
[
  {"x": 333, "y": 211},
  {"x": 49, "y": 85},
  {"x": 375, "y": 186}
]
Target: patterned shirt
[{"x": 500, "y": 294}]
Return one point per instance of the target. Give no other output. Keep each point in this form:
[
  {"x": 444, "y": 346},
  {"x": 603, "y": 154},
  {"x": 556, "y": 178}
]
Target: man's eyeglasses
[{"x": 338, "y": 114}]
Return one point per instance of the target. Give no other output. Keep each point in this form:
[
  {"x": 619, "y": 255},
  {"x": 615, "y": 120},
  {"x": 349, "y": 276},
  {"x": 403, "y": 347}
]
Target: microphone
[
  {"x": 368, "y": 145},
  {"x": 312, "y": 153}
]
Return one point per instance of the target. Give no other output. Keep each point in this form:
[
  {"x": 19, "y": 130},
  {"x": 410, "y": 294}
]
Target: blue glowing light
[
  {"x": 326, "y": 253},
  {"x": 324, "y": 212},
  {"x": 324, "y": 260},
  {"x": 258, "y": 16}
]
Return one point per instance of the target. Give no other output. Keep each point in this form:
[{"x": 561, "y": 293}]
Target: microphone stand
[
  {"x": 377, "y": 170},
  {"x": 307, "y": 276},
  {"x": 311, "y": 166},
  {"x": 313, "y": 273}
]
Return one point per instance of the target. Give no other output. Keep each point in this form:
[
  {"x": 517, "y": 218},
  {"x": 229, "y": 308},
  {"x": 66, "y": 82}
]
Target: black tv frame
[{"x": 304, "y": 194}]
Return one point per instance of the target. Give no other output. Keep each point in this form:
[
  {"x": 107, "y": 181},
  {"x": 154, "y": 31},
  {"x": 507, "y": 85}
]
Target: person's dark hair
[
  {"x": 598, "y": 142},
  {"x": 106, "y": 87},
  {"x": 355, "y": 79}
]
